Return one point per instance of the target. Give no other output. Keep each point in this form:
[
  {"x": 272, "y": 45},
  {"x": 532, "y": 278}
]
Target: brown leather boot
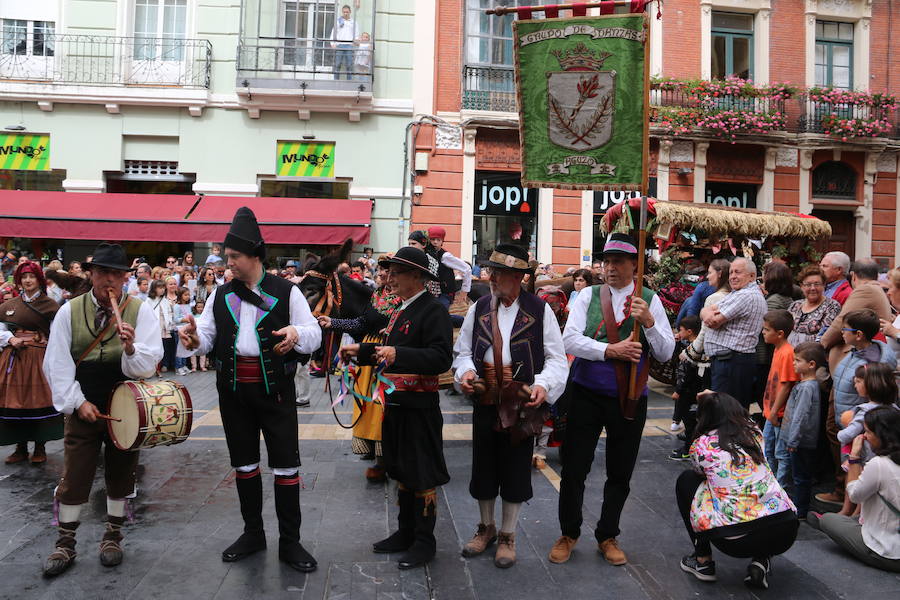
[
  {"x": 111, "y": 553},
  {"x": 612, "y": 553},
  {"x": 39, "y": 456},
  {"x": 20, "y": 454},
  {"x": 483, "y": 538},
  {"x": 64, "y": 554},
  {"x": 505, "y": 557},
  {"x": 562, "y": 549}
]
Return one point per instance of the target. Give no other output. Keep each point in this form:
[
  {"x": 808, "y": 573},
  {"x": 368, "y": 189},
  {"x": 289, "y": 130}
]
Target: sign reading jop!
[
  {"x": 581, "y": 86},
  {"x": 305, "y": 159},
  {"x": 24, "y": 152}
]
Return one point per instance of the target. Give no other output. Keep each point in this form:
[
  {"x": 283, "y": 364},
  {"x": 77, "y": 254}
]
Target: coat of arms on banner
[
  {"x": 580, "y": 99},
  {"x": 582, "y": 93}
]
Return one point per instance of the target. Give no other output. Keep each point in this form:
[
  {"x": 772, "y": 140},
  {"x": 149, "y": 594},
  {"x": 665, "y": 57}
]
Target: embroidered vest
[
  {"x": 278, "y": 371},
  {"x": 526, "y": 344},
  {"x": 445, "y": 274},
  {"x": 109, "y": 350}
]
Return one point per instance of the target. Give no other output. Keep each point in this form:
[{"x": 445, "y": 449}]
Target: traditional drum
[{"x": 146, "y": 414}]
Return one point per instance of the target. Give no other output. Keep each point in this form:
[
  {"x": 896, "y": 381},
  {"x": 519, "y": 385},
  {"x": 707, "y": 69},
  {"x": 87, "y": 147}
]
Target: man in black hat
[
  {"x": 257, "y": 325},
  {"x": 87, "y": 357},
  {"x": 598, "y": 392},
  {"x": 531, "y": 351},
  {"x": 416, "y": 351}
]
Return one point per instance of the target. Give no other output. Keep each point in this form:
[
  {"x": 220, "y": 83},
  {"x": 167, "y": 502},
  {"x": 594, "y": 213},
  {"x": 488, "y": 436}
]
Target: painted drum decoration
[{"x": 152, "y": 414}]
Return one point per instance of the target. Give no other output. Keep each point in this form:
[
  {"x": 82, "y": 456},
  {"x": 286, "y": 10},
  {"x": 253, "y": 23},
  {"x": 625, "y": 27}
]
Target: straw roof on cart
[{"x": 722, "y": 220}]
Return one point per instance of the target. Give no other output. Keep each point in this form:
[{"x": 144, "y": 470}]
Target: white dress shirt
[
  {"x": 458, "y": 264},
  {"x": 59, "y": 366},
  {"x": 308, "y": 330},
  {"x": 659, "y": 337},
  {"x": 556, "y": 368}
]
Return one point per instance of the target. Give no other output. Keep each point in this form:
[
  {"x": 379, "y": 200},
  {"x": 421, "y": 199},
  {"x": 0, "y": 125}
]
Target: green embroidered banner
[{"x": 581, "y": 85}]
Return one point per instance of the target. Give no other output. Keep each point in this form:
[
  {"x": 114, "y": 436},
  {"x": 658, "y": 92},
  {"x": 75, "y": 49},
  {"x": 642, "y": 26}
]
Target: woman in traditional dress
[
  {"x": 26, "y": 408},
  {"x": 367, "y": 327}
]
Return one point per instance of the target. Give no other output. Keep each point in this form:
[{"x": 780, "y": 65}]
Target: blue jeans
[
  {"x": 734, "y": 376},
  {"x": 446, "y": 300},
  {"x": 776, "y": 452},
  {"x": 343, "y": 61},
  {"x": 803, "y": 464}
]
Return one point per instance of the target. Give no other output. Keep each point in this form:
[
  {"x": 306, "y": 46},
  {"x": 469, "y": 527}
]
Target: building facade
[
  {"x": 304, "y": 99},
  {"x": 468, "y": 173}
]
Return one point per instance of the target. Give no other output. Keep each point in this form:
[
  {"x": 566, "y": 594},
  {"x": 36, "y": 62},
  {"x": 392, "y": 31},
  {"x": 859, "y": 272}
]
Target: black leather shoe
[
  {"x": 415, "y": 557},
  {"x": 399, "y": 541},
  {"x": 294, "y": 555},
  {"x": 302, "y": 403},
  {"x": 249, "y": 543}
]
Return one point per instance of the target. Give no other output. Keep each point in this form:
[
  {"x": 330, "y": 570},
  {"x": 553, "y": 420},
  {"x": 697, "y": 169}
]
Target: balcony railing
[
  {"x": 306, "y": 59},
  {"x": 69, "y": 59},
  {"x": 819, "y": 117},
  {"x": 489, "y": 88}
]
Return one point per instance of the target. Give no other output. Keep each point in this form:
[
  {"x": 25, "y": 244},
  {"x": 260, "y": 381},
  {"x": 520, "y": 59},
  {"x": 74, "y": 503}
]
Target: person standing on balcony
[{"x": 343, "y": 37}]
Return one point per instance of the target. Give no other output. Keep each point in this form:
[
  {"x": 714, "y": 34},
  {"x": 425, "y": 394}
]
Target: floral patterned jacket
[{"x": 734, "y": 493}]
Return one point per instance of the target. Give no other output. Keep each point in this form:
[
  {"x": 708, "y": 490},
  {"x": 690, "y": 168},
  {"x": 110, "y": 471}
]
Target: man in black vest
[
  {"x": 257, "y": 325},
  {"x": 531, "y": 352},
  {"x": 417, "y": 349}
]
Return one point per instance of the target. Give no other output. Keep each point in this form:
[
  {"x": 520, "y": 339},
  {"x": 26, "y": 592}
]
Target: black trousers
[
  {"x": 498, "y": 466},
  {"x": 765, "y": 540},
  {"x": 589, "y": 415},
  {"x": 249, "y": 410}
]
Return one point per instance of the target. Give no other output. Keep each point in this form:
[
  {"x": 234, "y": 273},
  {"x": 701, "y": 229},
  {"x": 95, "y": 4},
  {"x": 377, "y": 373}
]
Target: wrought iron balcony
[
  {"x": 67, "y": 59},
  {"x": 319, "y": 63},
  {"x": 489, "y": 88},
  {"x": 826, "y": 117}
]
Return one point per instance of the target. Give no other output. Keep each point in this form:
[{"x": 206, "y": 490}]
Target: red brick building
[{"x": 467, "y": 173}]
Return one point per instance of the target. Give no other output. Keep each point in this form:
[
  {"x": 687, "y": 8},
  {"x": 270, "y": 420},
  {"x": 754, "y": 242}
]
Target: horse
[{"x": 332, "y": 294}]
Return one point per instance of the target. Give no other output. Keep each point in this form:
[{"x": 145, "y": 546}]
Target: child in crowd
[
  {"x": 688, "y": 383},
  {"x": 777, "y": 325},
  {"x": 802, "y": 421},
  {"x": 362, "y": 63},
  {"x": 198, "y": 361},
  {"x": 182, "y": 312},
  {"x": 876, "y": 386}
]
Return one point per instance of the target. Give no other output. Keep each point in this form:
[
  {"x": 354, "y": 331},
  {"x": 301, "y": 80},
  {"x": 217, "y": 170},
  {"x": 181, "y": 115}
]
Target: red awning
[
  {"x": 293, "y": 221},
  {"x": 171, "y": 218}
]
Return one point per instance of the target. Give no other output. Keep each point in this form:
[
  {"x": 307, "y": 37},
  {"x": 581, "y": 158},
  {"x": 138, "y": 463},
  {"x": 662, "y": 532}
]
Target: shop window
[
  {"x": 36, "y": 181},
  {"x": 732, "y": 195},
  {"x": 505, "y": 213},
  {"x": 159, "y": 27},
  {"x": 732, "y": 45},
  {"x": 835, "y": 180},
  {"x": 280, "y": 188},
  {"x": 834, "y": 54}
]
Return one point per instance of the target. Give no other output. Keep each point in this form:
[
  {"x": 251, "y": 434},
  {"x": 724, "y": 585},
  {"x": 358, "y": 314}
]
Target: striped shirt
[{"x": 743, "y": 310}]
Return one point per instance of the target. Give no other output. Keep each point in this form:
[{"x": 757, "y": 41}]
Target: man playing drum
[
  {"x": 256, "y": 326},
  {"x": 87, "y": 357}
]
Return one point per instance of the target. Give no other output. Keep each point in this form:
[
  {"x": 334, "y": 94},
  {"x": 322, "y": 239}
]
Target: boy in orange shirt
[{"x": 777, "y": 325}]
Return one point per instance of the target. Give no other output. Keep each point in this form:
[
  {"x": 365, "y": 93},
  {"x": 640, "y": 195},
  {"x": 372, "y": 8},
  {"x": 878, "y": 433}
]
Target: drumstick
[
  {"x": 116, "y": 313},
  {"x": 109, "y": 418}
]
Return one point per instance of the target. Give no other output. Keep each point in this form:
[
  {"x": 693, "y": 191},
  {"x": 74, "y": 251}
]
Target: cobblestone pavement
[{"x": 187, "y": 512}]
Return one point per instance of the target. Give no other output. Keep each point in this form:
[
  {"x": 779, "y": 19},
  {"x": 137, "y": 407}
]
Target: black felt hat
[
  {"x": 244, "y": 235},
  {"x": 620, "y": 243},
  {"x": 510, "y": 257},
  {"x": 110, "y": 256},
  {"x": 408, "y": 256}
]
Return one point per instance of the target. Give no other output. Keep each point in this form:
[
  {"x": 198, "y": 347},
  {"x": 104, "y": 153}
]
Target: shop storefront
[{"x": 505, "y": 213}]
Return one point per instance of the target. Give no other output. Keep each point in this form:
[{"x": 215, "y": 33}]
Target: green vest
[
  {"x": 83, "y": 333},
  {"x": 595, "y": 328}
]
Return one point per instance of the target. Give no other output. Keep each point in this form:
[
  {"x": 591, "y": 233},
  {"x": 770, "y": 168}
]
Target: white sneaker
[{"x": 676, "y": 427}]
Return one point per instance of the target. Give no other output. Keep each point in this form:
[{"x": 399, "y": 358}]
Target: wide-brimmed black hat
[
  {"x": 110, "y": 256},
  {"x": 509, "y": 257},
  {"x": 409, "y": 257},
  {"x": 620, "y": 243},
  {"x": 244, "y": 235}
]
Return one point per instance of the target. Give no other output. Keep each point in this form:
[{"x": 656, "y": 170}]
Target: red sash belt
[
  {"x": 248, "y": 370},
  {"x": 413, "y": 383}
]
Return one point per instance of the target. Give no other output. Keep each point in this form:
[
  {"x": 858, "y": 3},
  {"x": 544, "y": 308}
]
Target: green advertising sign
[{"x": 582, "y": 91}]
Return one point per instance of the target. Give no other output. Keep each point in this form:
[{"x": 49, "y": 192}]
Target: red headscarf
[{"x": 30, "y": 267}]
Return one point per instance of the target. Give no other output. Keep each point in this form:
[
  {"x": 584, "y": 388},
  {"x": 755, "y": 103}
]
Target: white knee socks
[
  {"x": 69, "y": 513},
  {"x": 510, "y": 515},
  {"x": 487, "y": 511},
  {"x": 115, "y": 507}
]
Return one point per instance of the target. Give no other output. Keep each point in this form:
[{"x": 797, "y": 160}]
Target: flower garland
[
  {"x": 725, "y": 124},
  {"x": 731, "y": 86},
  {"x": 848, "y": 97}
]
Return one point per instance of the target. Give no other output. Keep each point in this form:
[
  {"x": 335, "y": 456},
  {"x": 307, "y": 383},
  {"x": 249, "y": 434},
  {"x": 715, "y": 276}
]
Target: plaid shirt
[{"x": 744, "y": 310}]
